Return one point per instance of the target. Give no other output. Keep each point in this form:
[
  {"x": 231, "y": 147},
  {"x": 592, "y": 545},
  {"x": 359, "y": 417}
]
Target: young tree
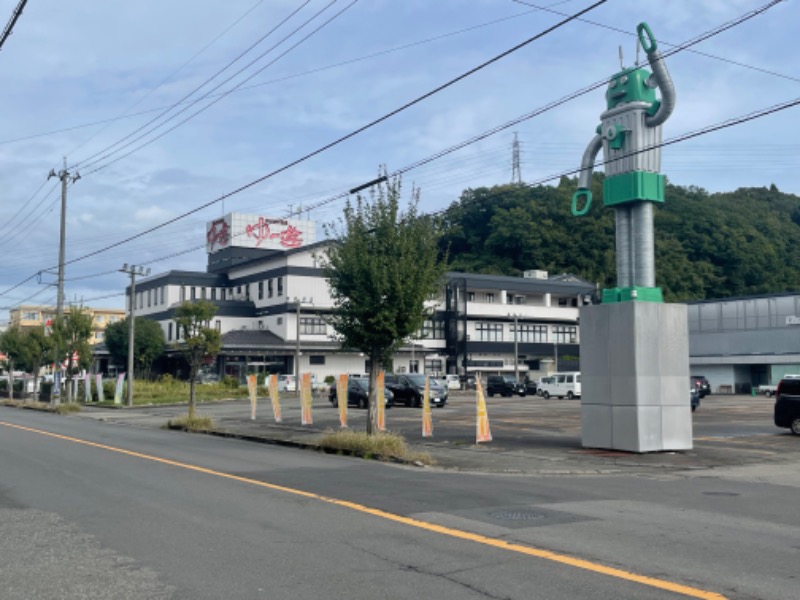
[
  {"x": 382, "y": 268},
  {"x": 71, "y": 335},
  {"x": 148, "y": 343},
  {"x": 13, "y": 345},
  {"x": 39, "y": 349},
  {"x": 198, "y": 341}
]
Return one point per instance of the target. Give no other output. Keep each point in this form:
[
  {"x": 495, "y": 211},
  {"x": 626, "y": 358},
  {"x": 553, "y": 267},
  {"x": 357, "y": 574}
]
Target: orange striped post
[
  {"x": 381, "y": 396},
  {"x": 341, "y": 398},
  {"x": 427, "y": 421},
  {"x": 483, "y": 433},
  {"x": 305, "y": 400},
  {"x": 274, "y": 397},
  {"x": 252, "y": 385}
]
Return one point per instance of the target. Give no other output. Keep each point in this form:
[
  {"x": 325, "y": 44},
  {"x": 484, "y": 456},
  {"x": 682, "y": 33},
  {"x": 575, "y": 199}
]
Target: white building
[{"x": 272, "y": 300}]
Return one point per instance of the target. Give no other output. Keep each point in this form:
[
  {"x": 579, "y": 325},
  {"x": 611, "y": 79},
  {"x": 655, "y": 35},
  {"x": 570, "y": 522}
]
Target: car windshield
[
  {"x": 510, "y": 378},
  {"x": 419, "y": 380},
  {"x": 361, "y": 382}
]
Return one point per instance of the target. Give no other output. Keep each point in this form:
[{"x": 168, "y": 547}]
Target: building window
[
  {"x": 203, "y": 293},
  {"x": 432, "y": 329},
  {"x": 163, "y": 288},
  {"x": 312, "y": 326},
  {"x": 98, "y": 336},
  {"x": 470, "y": 296},
  {"x": 218, "y": 325},
  {"x": 280, "y": 320},
  {"x": 490, "y": 297},
  {"x": 413, "y": 366},
  {"x": 280, "y": 286},
  {"x": 260, "y": 290},
  {"x": 149, "y": 298},
  {"x": 169, "y": 332},
  {"x": 238, "y": 291},
  {"x": 183, "y": 293},
  {"x": 269, "y": 288},
  {"x": 141, "y": 300},
  {"x": 260, "y": 324},
  {"x": 316, "y": 359},
  {"x": 565, "y": 334},
  {"x": 433, "y": 366},
  {"x": 531, "y": 333},
  {"x": 213, "y": 293},
  {"x": 489, "y": 332},
  {"x": 30, "y": 316}
]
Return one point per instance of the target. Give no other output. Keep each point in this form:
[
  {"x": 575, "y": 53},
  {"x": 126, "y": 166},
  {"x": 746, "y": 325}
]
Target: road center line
[{"x": 432, "y": 527}]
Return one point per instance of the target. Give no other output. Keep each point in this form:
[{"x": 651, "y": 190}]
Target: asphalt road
[{"x": 93, "y": 509}]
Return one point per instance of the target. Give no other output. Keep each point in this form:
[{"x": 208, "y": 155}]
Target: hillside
[{"x": 707, "y": 245}]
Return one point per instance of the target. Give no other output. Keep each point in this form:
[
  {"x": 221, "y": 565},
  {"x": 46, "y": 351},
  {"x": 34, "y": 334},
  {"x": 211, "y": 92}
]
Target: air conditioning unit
[{"x": 535, "y": 274}]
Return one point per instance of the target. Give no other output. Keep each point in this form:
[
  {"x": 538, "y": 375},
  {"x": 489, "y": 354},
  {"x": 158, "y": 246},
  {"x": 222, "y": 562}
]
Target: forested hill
[{"x": 707, "y": 245}]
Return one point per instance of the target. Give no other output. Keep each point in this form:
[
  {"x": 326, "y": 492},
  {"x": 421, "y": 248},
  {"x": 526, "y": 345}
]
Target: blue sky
[{"x": 118, "y": 65}]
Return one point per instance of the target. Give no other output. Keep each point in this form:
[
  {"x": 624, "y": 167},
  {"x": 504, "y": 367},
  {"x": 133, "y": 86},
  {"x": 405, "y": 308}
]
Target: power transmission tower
[{"x": 516, "y": 170}]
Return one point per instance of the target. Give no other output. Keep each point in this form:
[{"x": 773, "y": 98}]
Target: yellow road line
[{"x": 432, "y": 527}]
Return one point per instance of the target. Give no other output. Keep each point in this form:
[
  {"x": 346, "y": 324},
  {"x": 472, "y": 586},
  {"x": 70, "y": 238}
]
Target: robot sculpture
[{"x": 630, "y": 135}]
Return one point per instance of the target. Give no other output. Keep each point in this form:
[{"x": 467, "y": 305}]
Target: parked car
[
  {"x": 505, "y": 385},
  {"x": 408, "y": 389},
  {"x": 358, "y": 393},
  {"x": 702, "y": 385},
  {"x": 531, "y": 389},
  {"x": 468, "y": 382},
  {"x": 562, "y": 385},
  {"x": 540, "y": 385},
  {"x": 287, "y": 383},
  {"x": 787, "y": 405},
  {"x": 453, "y": 382},
  {"x": 694, "y": 396}
]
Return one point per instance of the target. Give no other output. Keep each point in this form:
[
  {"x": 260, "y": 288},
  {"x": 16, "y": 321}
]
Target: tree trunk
[
  {"x": 192, "y": 377},
  {"x": 10, "y": 379},
  {"x": 372, "y": 416}
]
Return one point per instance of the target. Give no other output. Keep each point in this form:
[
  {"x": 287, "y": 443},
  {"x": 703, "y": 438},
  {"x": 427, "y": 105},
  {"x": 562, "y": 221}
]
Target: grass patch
[
  {"x": 381, "y": 446},
  {"x": 65, "y": 409},
  {"x": 197, "y": 423}
]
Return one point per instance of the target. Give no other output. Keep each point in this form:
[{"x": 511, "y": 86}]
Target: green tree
[
  {"x": 381, "y": 269},
  {"x": 71, "y": 335},
  {"x": 39, "y": 350},
  {"x": 198, "y": 341},
  {"x": 149, "y": 343},
  {"x": 12, "y": 344}
]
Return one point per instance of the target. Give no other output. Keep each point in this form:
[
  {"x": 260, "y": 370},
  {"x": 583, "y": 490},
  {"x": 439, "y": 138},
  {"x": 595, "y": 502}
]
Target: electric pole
[
  {"x": 133, "y": 271},
  {"x": 64, "y": 176}
]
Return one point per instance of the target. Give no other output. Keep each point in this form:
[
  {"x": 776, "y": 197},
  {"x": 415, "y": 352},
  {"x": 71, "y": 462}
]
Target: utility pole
[
  {"x": 133, "y": 271},
  {"x": 516, "y": 169},
  {"x": 64, "y": 176},
  {"x": 516, "y": 346}
]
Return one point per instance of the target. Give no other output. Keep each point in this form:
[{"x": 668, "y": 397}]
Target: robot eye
[
  {"x": 612, "y": 83},
  {"x": 623, "y": 80}
]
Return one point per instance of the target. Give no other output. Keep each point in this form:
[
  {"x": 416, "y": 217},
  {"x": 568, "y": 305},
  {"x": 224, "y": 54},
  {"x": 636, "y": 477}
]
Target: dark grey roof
[
  {"x": 562, "y": 284},
  {"x": 252, "y": 338}
]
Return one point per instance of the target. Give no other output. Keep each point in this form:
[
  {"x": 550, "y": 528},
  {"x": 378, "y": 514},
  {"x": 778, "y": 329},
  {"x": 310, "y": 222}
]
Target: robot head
[{"x": 629, "y": 85}]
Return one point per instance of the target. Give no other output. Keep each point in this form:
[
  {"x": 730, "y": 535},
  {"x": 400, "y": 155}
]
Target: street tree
[
  {"x": 39, "y": 349},
  {"x": 198, "y": 342},
  {"x": 12, "y": 344},
  {"x": 71, "y": 334},
  {"x": 382, "y": 267},
  {"x": 148, "y": 343}
]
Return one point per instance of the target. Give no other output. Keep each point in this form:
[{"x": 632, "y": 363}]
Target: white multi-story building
[{"x": 272, "y": 301}]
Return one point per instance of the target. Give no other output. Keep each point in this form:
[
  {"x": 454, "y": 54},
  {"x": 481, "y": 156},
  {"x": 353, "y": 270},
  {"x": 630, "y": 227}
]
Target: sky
[{"x": 163, "y": 108}]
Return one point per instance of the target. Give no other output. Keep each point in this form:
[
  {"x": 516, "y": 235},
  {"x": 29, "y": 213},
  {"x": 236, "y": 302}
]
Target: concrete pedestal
[{"x": 635, "y": 377}]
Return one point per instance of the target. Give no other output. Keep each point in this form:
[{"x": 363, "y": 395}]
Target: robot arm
[
  {"x": 660, "y": 78},
  {"x": 585, "y": 177}
]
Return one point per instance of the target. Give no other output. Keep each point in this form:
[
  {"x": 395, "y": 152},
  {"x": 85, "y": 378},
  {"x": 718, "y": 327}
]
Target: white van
[
  {"x": 453, "y": 382},
  {"x": 562, "y": 385}
]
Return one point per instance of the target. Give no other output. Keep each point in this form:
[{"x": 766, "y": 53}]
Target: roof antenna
[{"x": 621, "y": 64}]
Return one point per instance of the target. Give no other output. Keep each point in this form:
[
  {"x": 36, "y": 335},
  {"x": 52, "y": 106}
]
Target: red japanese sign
[
  {"x": 287, "y": 235},
  {"x": 218, "y": 233}
]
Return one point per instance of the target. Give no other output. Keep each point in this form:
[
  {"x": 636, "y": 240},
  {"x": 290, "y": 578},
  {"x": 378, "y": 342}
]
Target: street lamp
[{"x": 133, "y": 271}]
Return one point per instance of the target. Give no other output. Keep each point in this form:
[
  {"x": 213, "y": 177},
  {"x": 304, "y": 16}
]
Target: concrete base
[{"x": 635, "y": 377}]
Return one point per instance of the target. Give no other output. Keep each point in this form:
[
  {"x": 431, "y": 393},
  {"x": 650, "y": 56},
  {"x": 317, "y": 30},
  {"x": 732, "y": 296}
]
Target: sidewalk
[{"x": 530, "y": 436}]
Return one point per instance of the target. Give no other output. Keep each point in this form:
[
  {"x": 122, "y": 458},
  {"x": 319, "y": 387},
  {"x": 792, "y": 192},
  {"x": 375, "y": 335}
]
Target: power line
[
  {"x": 90, "y": 160},
  {"x": 11, "y": 22}
]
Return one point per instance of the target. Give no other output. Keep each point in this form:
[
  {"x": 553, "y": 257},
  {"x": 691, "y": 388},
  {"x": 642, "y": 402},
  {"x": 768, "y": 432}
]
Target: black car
[
  {"x": 787, "y": 405},
  {"x": 702, "y": 385},
  {"x": 505, "y": 385},
  {"x": 358, "y": 393},
  {"x": 409, "y": 389},
  {"x": 530, "y": 387}
]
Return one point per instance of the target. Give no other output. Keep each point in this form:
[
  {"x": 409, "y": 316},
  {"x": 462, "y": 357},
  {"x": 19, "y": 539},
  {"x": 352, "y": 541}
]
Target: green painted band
[
  {"x": 649, "y": 43},
  {"x": 586, "y": 207}
]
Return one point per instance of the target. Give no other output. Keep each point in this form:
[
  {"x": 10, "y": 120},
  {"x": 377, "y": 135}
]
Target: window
[
  {"x": 218, "y": 325},
  {"x": 213, "y": 293},
  {"x": 238, "y": 291},
  {"x": 163, "y": 288},
  {"x": 260, "y": 290},
  {"x": 203, "y": 293},
  {"x": 280, "y": 320},
  {"x": 269, "y": 288},
  {"x": 432, "y": 329},
  {"x": 183, "y": 293},
  {"x": 316, "y": 359},
  {"x": 98, "y": 336},
  {"x": 565, "y": 334},
  {"x": 149, "y": 298},
  {"x": 169, "y": 332},
  {"x": 490, "y": 297},
  {"x": 141, "y": 300},
  {"x": 280, "y": 286},
  {"x": 413, "y": 366},
  {"x": 489, "y": 332},
  {"x": 260, "y": 324},
  {"x": 99, "y": 319},
  {"x": 312, "y": 326},
  {"x": 30, "y": 316},
  {"x": 530, "y": 333},
  {"x": 470, "y": 296},
  {"x": 193, "y": 293},
  {"x": 433, "y": 365}
]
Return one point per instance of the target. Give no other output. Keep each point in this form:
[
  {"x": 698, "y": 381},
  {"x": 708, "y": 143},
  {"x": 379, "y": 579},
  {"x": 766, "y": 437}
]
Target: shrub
[
  {"x": 381, "y": 445},
  {"x": 230, "y": 382},
  {"x": 198, "y": 423}
]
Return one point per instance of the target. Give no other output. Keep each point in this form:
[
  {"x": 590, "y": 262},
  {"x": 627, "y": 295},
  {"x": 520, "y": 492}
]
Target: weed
[
  {"x": 197, "y": 423},
  {"x": 379, "y": 446}
]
